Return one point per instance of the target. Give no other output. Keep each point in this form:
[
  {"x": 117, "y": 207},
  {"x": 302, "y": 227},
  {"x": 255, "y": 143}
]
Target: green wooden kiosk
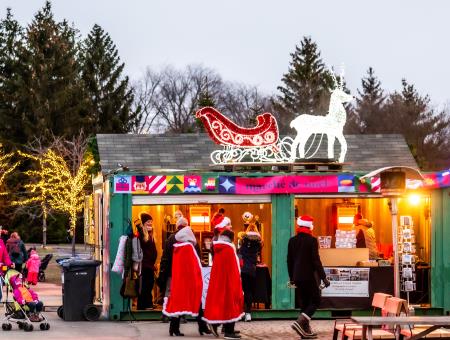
[{"x": 163, "y": 173}]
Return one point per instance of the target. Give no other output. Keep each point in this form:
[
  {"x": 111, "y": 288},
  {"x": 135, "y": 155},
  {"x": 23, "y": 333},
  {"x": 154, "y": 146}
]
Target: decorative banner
[
  {"x": 227, "y": 184},
  {"x": 175, "y": 184},
  {"x": 346, "y": 183},
  {"x": 347, "y": 282},
  {"x": 192, "y": 184},
  {"x": 122, "y": 184},
  {"x": 286, "y": 184},
  {"x": 279, "y": 184}
]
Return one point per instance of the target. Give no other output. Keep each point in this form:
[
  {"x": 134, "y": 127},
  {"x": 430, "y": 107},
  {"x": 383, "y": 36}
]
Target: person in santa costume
[
  {"x": 225, "y": 299},
  {"x": 304, "y": 266},
  {"x": 185, "y": 284}
]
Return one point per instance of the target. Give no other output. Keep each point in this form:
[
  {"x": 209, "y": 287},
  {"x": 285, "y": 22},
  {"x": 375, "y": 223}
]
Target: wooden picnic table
[{"x": 368, "y": 322}]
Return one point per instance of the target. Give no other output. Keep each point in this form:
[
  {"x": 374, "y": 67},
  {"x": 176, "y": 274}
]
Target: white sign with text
[{"x": 347, "y": 282}]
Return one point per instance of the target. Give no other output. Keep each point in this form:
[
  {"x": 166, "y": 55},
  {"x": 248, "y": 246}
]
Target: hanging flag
[
  {"x": 192, "y": 184},
  {"x": 122, "y": 184},
  {"x": 346, "y": 183},
  {"x": 175, "y": 184},
  {"x": 156, "y": 184},
  {"x": 227, "y": 184},
  {"x": 375, "y": 183}
]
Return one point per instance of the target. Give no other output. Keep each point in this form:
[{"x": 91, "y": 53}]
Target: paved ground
[{"x": 108, "y": 330}]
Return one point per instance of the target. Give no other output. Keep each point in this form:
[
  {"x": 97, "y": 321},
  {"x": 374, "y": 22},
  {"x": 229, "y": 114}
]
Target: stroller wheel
[
  {"x": 41, "y": 277},
  {"x": 44, "y": 326},
  {"x": 28, "y": 327},
  {"x": 20, "y": 324},
  {"x": 6, "y": 326},
  {"x": 60, "y": 312}
]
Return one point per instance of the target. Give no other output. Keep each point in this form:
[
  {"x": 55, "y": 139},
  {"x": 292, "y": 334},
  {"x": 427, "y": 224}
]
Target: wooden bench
[
  {"x": 392, "y": 306},
  {"x": 378, "y": 301},
  {"x": 435, "y": 322}
]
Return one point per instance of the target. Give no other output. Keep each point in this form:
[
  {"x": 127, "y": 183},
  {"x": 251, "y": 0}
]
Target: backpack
[{"x": 15, "y": 250}]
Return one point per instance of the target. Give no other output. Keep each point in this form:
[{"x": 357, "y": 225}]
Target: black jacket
[
  {"x": 165, "y": 266},
  {"x": 303, "y": 258},
  {"x": 248, "y": 252}
]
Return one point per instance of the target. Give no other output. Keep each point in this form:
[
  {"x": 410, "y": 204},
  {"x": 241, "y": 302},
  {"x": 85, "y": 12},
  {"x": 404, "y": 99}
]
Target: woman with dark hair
[
  {"x": 149, "y": 255},
  {"x": 16, "y": 250}
]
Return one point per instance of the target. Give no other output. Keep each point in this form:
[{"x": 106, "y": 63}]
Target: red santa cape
[
  {"x": 187, "y": 282},
  {"x": 225, "y": 299}
]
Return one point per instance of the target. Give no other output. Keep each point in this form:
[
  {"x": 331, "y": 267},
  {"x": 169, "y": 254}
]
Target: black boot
[
  {"x": 202, "y": 328},
  {"x": 174, "y": 327},
  {"x": 302, "y": 327}
]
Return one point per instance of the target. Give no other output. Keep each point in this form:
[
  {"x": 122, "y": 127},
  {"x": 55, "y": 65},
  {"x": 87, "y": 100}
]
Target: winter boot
[{"x": 302, "y": 327}]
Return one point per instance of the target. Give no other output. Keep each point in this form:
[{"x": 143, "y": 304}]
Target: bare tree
[
  {"x": 242, "y": 103},
  {"x": 146, "y": 93}
]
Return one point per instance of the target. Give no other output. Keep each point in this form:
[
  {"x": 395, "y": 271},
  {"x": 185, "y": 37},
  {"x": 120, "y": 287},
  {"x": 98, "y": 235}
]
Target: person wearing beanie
[
  {"x": 224, "y": 299},
  {"x": 303, "y": 262},
  {"x": 166, "y": 274},
  {"x": 365, "y": 237},
  {"x": 149, "y": 256}
]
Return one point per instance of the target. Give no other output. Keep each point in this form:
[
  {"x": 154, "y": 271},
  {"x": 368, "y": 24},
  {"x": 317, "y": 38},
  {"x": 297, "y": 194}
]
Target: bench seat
[
  {"x": 376, "y": 333},
  {"x": 436, "y": 334}
]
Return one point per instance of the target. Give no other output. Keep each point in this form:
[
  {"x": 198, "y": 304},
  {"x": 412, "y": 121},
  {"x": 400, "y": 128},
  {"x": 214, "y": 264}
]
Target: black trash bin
[{"x": 78, "y": 289}]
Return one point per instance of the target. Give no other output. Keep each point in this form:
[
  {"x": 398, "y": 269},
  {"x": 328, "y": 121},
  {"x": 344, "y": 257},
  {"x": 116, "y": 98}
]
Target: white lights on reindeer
[{"x": 261, "y": 144}]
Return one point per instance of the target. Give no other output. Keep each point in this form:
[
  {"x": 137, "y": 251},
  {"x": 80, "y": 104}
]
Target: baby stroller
[
  {"x": 20, "y": 314},
  {"x": 43, "y": 266}
]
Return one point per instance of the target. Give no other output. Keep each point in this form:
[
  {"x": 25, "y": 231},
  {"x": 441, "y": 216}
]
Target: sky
[{"x": 250, "y": 41}]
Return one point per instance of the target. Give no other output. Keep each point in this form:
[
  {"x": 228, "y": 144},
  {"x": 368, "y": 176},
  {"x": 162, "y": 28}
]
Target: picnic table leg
[
  {"x": 369, "y": 333},
  {"x": 364, "y": 331}
]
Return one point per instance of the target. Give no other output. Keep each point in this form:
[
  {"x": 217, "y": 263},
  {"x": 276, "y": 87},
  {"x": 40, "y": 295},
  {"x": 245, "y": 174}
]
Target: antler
[{"x": 333, "y": 76}]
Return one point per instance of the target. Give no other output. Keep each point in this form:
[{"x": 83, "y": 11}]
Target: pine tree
[
  {"x": 425, "y": 130},
  {"x": 306, "y": 86},
  {"x": 51, "y": 93},
  {"x": 369, "y": 105},
  {"x": 11, "y": 69},
  {"x": 110, "y": 96}
]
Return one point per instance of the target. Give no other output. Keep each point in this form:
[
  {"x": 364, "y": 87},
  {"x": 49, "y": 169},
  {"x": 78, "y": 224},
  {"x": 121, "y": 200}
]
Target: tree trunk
[
  {"x": 73, "y": 223},
  {"x": 44, "y": 228}
]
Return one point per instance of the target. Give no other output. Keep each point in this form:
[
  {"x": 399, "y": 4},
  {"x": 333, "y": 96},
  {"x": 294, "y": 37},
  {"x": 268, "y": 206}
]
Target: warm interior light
[
  {"x": 199, "y": 219},
  {"x": 414, "y": 199},
  {"x": 345, "y": 219}
]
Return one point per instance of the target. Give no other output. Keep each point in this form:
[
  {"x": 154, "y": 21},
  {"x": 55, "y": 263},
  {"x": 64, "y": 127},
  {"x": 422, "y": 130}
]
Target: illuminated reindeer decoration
[{"x": 331, "y": 125}]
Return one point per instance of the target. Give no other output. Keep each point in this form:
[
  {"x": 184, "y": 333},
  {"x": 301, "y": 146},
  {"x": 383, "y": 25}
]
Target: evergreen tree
[
  {"x": 110, "y": 96},
  {"x": 11, "y": 69},
  {"x": 306, "y": 86},
  {"x": 369, "y": 105},
  {"x": 425, "y": 131},
  {"x": 51, "y": 94}
]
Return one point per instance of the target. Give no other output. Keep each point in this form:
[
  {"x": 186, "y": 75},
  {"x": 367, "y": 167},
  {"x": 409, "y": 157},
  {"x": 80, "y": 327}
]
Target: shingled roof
[{"x": 191, "y": 151}]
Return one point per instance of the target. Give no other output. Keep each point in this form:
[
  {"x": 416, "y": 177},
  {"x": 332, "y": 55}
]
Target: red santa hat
[
  {"x": 222, "y": 223},
  {"x": 305, "y": 221}
]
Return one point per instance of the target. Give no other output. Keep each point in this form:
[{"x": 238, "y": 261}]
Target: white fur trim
[
  {"x": 223, "y": 321},
  {"x": 225, "y": 223},
  {"x": 306, "y": 316},
  {"x": 302, "y": 223},
  {"x": 253, "y": 233}
]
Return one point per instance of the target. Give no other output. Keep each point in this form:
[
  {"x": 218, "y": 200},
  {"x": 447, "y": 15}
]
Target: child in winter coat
[
  {"x": 32, "y": 266},
  {"x": 26, "y": 297}
]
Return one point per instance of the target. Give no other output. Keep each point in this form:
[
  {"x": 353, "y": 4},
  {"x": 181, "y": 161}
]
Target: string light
[
  {"x": 6, "y": 167},
  {"x": 55, "y": 185}
]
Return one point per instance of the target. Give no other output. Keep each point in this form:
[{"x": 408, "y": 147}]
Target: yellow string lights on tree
[
  {"x": 6, "y": 167},
  {"x": 56, "y": 185}
]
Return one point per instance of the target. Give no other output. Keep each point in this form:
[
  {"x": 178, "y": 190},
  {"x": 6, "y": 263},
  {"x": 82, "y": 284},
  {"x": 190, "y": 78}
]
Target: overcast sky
[{"x": 249, "y": 41}]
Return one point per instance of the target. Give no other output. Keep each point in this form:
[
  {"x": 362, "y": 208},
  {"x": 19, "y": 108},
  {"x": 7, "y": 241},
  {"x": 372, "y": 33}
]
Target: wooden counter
[{"x": 334, "y": 257}]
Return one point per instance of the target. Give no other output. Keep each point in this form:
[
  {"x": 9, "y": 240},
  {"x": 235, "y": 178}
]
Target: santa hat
[
  {"x": 222, "y": 223},
  {"x": 182, "y": 222},
  {"x": 305, "y": 221}
]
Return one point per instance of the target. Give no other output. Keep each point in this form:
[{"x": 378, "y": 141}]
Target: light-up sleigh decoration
[
  {"x": 257, "y": 144},
  {"x": 261, "y": 144}
]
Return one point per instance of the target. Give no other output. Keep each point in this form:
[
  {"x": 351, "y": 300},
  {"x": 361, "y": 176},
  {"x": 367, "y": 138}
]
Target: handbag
[{"x": 129, "y": 286}]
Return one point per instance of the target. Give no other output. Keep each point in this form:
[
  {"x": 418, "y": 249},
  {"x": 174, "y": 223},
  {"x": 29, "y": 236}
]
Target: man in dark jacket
[{"x": 304, "y": 266}]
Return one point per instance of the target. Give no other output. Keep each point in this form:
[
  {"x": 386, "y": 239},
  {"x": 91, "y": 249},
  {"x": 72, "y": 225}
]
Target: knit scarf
[{"x": 304, "y": 230}]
